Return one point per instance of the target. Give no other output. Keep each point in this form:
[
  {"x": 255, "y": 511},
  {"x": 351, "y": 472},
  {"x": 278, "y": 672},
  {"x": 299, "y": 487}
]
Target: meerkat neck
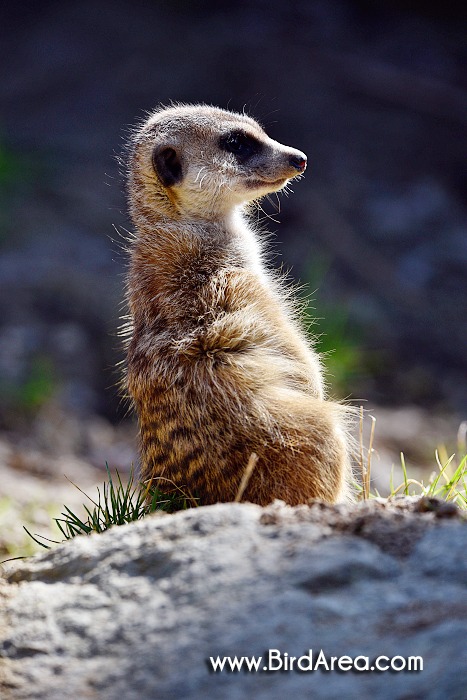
[
  {"x": 247, "y": 240},
  {"x": 230, "y": 241}
]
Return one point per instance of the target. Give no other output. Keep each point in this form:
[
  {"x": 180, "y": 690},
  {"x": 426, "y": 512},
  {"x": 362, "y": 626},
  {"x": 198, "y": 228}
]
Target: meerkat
[{"x": 218, "y": 367}]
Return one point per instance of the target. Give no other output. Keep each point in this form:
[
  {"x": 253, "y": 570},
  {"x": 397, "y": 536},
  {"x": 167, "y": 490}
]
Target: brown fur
[{"x": 217, "y": 366}]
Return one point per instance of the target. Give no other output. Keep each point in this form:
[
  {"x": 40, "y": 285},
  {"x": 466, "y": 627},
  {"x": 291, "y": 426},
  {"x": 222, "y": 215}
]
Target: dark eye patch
[{"x": 240, "y": 144}]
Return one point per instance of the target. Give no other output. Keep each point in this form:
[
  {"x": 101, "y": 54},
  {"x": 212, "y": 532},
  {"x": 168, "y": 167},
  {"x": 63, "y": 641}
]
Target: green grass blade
[{"x": 35, "y": 539}]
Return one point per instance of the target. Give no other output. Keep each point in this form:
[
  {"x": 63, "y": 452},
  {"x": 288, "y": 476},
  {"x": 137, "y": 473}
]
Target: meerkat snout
[{"x": 298, "y": 161}]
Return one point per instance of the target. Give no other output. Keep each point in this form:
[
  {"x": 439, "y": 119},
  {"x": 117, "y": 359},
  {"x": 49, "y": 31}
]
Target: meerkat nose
[{"x": 298, "y": 161}]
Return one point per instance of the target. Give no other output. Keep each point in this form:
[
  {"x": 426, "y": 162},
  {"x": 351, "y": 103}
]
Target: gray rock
[{"x": 139, "y": 611}]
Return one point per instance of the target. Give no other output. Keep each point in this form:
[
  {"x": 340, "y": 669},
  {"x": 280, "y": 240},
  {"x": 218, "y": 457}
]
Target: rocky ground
[{"x": 138, "y": 611}]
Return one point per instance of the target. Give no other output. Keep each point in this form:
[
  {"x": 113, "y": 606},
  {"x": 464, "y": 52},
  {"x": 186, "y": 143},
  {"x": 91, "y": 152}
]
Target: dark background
[{"x": 374, "y": 93}]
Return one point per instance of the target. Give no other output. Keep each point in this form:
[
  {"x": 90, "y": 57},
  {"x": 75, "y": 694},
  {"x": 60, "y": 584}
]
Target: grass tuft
[
  {"x": 117, "y": 504},
  {"x": 447, "y": 482}
]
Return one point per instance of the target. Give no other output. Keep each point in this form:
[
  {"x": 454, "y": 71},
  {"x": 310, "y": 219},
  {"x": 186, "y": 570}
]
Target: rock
[{"x": 139, "y": 610}]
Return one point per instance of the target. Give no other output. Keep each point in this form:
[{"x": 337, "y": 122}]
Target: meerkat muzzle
[{"x": 298, "y": 161}]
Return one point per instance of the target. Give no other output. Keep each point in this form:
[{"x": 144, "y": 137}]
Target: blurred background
[{"x": 373, "y": 92}]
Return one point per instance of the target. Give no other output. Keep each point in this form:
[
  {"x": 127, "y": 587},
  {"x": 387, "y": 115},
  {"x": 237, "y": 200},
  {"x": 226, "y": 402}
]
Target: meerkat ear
[{"x": 167, "y": 165}]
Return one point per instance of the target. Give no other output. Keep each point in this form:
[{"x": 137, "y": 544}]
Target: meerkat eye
[{"x": 240, "y": 144}]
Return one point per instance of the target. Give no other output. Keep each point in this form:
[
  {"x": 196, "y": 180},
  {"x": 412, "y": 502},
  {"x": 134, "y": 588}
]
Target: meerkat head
[{"x": 201, "y": 162}]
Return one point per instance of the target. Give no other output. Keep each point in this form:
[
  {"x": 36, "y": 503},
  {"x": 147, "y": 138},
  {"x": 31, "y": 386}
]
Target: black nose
[{"x": 298, "y": 161}]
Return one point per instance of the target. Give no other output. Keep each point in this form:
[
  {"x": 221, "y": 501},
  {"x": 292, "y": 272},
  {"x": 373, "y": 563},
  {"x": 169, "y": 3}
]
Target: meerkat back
[{"x": 218, "y": 368}]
